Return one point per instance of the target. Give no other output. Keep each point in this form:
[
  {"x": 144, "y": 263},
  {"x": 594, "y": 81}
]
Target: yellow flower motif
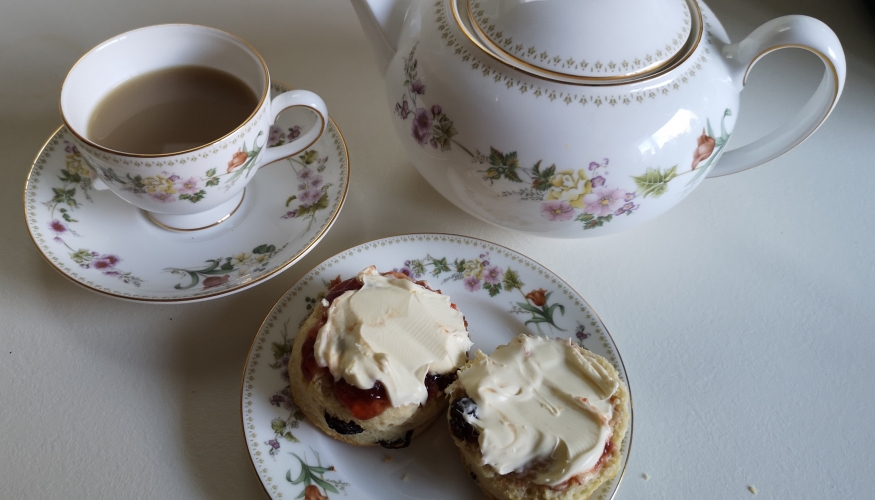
[
  {"x": 570, "y": 186},
  {"x": 76, "y": 166},
  {"x": 474, "y": 268},
  {"x": 159, "y": 183},
  {"x": 260, "y": 258},
  {"x": 240, "y": 258}
]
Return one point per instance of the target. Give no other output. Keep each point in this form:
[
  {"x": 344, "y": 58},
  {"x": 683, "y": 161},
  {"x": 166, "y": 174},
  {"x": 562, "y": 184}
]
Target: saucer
[
  {"x": 495, "y": 287},
  {"x": 111, "y": 247}
]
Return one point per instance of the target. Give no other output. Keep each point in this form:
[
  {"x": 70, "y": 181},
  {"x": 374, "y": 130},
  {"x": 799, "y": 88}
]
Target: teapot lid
[{"x": 585, "y": 41}]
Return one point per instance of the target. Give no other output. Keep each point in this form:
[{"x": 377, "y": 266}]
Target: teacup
[{"x": 197, "y": 187}]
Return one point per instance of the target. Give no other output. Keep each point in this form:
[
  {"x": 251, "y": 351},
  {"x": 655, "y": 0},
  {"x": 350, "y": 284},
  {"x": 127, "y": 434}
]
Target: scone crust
[
  {"x": 512, "y": 487},
  {"x": 316, "y": 397}
]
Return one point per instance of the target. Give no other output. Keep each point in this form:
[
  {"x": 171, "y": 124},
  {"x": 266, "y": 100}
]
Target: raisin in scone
[
  {"x": 539, "y": 419},
  {"x": 370, "y": 364}
]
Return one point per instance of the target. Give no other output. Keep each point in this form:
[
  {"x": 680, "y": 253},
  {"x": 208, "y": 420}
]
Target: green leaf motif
[
  {"x": 211, "y": 172},
  {"x": 440, "y": 266},
  {"x": 194, "y": 198},
  {"x": 277, "y": 425},
  {"x": 312, "y": 209},
  {"x": 263, "y": 249},
  {"x": 541, "y": 178},
  {"x": 503, "y": 166},
  {"x": 443, "y": 132},
  {"x": 309, "y": 157},
  {"x": 512, "y": 280},
  {"x": 654, "y": 182}
]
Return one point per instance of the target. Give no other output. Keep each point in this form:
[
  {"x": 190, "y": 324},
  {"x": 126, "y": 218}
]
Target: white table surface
[{"x": 745, "y": 316}]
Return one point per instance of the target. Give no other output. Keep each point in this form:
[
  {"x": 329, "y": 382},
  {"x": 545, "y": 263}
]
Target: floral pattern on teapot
[{"x": 585, "y": 195}]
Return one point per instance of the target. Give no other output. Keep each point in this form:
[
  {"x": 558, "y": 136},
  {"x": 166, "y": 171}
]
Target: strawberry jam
[{"x": 363, "y": 403}]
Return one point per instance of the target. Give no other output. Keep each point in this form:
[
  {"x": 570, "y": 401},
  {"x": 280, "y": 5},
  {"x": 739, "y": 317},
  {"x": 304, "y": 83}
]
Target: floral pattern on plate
[
  {"x": 286, "y": 449},
  {"x": 104, "y": 244}
]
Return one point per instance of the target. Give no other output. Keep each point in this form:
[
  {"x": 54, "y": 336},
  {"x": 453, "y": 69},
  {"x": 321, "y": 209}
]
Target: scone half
[
  {"x": 529, "y": 472},
  {"x": 369, "y": 416}
]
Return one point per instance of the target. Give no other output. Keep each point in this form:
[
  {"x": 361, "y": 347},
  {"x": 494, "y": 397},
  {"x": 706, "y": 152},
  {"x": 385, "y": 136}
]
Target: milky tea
[{"x": 171, "y": 110}]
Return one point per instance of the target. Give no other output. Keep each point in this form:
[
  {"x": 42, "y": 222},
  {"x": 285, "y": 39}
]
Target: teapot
[{"x": 578, "y": 118}]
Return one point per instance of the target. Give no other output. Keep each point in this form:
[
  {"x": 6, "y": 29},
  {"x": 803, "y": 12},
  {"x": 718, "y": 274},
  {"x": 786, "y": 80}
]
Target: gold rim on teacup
[{"x": 265, "y": 92}]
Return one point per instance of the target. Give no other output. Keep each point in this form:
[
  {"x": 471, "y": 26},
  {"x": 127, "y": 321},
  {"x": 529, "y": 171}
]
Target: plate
[
  {"x": 495, "y": 287},
  {"x": 111, "y": 247}
]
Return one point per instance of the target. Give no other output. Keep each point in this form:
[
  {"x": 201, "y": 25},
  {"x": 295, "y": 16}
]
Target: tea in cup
[{"x": 175, "y": 119}]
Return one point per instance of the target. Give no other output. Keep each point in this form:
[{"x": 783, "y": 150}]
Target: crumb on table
[
  {"x": 405, "y": 477},
  {"x": 646, "y": 476},
  {"x": 752, "y": 490},
  {"x": 387, "y": 458}
]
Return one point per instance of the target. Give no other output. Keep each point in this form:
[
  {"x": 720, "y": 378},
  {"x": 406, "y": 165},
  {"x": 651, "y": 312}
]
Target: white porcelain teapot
[{"x": 576, "y": 118}]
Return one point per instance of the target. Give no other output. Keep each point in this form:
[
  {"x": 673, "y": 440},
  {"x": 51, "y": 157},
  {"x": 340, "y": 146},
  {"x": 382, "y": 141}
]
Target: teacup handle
[
  {"x": 291, "y": 99},
  {"x": 799, "y": 32}
]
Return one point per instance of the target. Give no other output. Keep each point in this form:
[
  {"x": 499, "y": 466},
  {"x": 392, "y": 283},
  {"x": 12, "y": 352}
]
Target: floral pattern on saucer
[
  {"x": 104, "y": 244},
  {"x": 515, "y": 294}
]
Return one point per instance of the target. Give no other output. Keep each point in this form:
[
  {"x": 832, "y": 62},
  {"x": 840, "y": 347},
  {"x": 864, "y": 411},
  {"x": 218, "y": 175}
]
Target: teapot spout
[{"x": 382, "y": 21}]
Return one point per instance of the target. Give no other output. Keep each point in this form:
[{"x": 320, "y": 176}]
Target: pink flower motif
[
  {"x": 598, "y": 181},
  {"x": 593, "y": 165},
  {"x": 436, "y": 110},
  {"x": 626, "y": 209},
  {"x": 106, "y": 262},
  {"x": 275, "y": 136},
  {"x": 602, "y": 201},
  {"x": 163, "y": 197},
  {"x": 294, "y": 132},
  {"x": 422, "y": 123},
  {"x": 213, "y": 281},
  {"x": 291, "y": 215},
  {"x": 305, "y": 174},
  {"x": 472, "y": 283},
  {"x": 190, "y": 186},
  {"x": 417, "y": 87},
  {"x": 58, "y": 226},
  {"x": 316, "y": 182},
  {"x": 557, "y": 210},
  {"x": 310, "y": 197},
  {"x": 492, "y": 275},
  {"x": 403, "y": 109}
]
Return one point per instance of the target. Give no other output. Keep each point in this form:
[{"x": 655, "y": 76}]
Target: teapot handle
[{"x": 799, "y": 32}]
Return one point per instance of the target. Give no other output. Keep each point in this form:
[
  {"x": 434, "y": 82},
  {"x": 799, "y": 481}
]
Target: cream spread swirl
[
  {"x": 394, "y": 331},
  {"x": 541, "y": 404}
]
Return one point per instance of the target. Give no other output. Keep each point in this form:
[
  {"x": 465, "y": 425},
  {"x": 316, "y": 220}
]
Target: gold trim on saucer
[
  {"x": 31, "y": 180},
  {"x": 265, "y": 93}
]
